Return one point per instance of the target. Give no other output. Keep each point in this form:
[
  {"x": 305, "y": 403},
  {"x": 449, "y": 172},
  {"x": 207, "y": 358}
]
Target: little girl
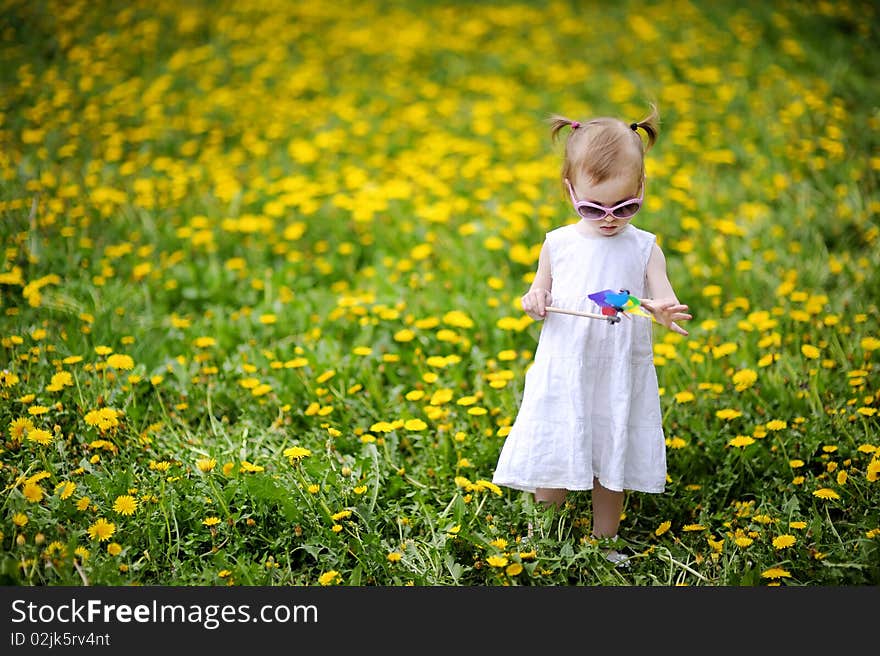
[{"x": 590, "y": 414}]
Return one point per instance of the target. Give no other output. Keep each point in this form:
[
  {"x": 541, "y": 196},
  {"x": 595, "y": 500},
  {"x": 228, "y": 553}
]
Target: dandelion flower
[
  {"x": 18, "y": 428},
  {"x": 684, "y": 397},
  {"x": 32, "y": 492},
  {"x": 102, "y": 530},
  {"x": 514, "y": 569},
  {"x": 775, "y": 573},
  {"x": 114, "y": 549},
  {"x": 394, "y": 557},
  {"x": 211, "y": 521},
  {"x": 206, "y": 464},
  {"x": 660, "y": 530},
  {"x": 296, "y": 453},
  {"x": 329, "y": 578},
  {"x": 783, "y": 541},
  {"x": 125, "y": 505},
  {"x": 776, "y": 424},
  {"x": 65, "y": 490},
  {"x": 120, "y": 361},
  {"x": 741, "y": 441},
  {"x": 40, "y": 436},
  {"x": 826, "y": 493},
  {"x": 744, "y": 379},
  {"x": 497, "y": 561}
]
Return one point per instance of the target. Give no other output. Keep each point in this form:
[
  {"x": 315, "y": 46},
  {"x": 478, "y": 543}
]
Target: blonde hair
[{"x": 605, "y": 147}]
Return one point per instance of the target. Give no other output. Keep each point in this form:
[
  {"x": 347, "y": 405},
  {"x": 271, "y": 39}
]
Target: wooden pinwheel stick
[{"x": 604, "y": 317}]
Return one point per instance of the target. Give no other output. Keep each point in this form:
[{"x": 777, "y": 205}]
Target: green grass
[{"x": 239, "y": 228}]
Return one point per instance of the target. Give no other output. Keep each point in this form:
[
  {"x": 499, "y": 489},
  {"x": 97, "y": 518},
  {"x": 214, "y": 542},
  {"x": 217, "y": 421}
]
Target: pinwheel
[{"x": 612, "y": 305}]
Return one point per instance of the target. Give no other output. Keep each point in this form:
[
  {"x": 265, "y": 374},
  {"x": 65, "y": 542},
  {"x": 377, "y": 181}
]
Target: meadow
[{"x": 259, "y": 294}]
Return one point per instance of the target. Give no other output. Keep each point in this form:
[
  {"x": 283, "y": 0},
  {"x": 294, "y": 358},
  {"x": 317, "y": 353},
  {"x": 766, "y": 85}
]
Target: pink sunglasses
[{"x": 595, "y": 212}]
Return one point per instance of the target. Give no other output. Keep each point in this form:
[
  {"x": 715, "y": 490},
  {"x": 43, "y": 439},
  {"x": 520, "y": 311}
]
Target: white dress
[{"x": 590, "y": 404}]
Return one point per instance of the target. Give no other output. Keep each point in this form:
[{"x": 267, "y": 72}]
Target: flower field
[{"x": 261, "y": 276}]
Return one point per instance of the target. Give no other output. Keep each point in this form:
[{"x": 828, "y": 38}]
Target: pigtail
[
  {"x": 651, "y": 126},
  {"x": 558, "y": 122}
]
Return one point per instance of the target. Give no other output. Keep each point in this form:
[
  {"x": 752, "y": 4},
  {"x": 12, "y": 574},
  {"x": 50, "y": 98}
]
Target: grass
[{"x": 261, "y": 276}]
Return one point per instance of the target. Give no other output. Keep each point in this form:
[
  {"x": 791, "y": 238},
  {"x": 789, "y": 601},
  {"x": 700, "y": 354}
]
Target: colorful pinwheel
[{"x": 612, "y": 303}]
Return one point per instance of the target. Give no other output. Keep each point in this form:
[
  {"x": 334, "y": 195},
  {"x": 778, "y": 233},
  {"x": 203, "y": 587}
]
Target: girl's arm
[
  {"x": 538, "y": 297},
  {"x": 664, "y": 304}
]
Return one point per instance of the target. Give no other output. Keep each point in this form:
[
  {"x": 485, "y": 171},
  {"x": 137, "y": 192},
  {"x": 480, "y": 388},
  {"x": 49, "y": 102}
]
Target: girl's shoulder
[
  {"x": 643, "y": 235},
  {"x": 562, "y": 232}
]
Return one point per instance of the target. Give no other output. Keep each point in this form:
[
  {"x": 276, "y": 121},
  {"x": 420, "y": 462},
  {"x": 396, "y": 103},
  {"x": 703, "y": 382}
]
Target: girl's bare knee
[{"x": 549, "y": 496}]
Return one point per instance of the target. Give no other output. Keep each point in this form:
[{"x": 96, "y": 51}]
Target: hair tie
[
  {"x": 634, "y": 127},
  {"x": 575, "y": 125}
]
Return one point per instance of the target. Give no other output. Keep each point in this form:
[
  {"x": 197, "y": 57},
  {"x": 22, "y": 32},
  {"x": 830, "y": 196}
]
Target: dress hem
[{"x": 527, "y": 487}]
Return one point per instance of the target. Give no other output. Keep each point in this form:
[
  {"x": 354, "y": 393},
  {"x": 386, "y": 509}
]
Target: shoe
[{"x": 617, "y": 558}]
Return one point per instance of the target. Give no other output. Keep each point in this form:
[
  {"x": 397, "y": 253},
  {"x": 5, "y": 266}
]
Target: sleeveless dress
[{"x": 590, "y": 404}]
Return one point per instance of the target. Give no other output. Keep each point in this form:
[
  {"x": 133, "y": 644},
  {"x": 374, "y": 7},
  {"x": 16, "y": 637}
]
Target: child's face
[{"x": 610, "y": 192}]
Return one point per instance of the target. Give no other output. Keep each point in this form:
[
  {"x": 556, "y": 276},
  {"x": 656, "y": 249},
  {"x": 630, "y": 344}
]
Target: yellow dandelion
[
  {"x": 40, "y": 436},
  {"x": 206, "y": 464},
  {"x": 497, "y": 561},
  {"x": 19, "y": 519},
  {"x": 19, "y": 428},
  {"x": 330, "y": 578},
  {"x": 826, "y": 493},
  {"x": 120, "y": 361},
  {"x": 873, "y": 472},
  {"x": 744, "y": 378},
  {"x": 296, "y": 453},
  {"x": 65, "y": 490},
  {"x": 776, "y": 424},
  {"x": 102, "y": 530},
  {"x": 211, "y": 521},
  {"x": 125, "y": 505},
  {"x": 775, "y": 573},
  {"x": 415, "y": 425},
  {"x": 32, "y": 492},
  {"x": 114, "y": 549},
  {"x": 741, "y": 441},
  {"x": 514, "y": 569},
  {"x": 728, "y": 413},
  {"x": 394, "y": 557},
  {"x": 660, "y": 530},
  {"x": 783, "y": 541}
]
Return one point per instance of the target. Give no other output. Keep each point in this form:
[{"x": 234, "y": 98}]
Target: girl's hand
[
  {"x": 667, "y": 312},
  {"x": 534, "y": 302}
]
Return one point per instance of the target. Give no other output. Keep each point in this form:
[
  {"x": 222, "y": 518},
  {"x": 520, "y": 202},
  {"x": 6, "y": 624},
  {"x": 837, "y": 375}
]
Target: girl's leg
[
  {"x": 607, "y": 506},
  {"x": 549, "y": 495}
]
